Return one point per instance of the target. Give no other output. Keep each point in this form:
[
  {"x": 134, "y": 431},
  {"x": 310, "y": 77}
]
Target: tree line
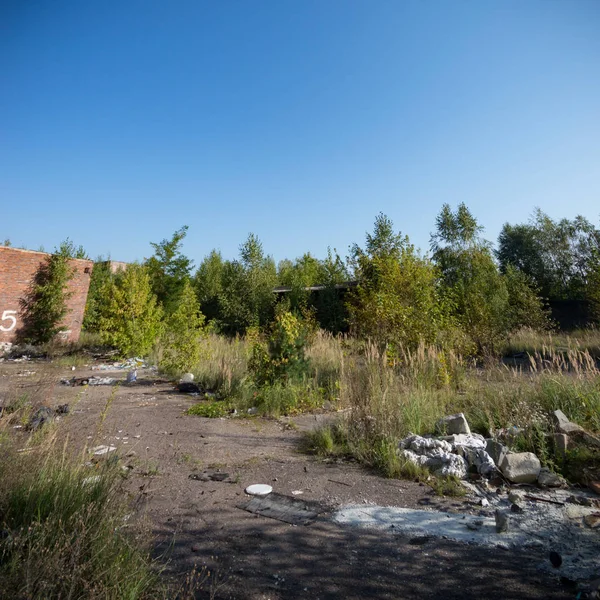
[{"x": 463, "y": 293}]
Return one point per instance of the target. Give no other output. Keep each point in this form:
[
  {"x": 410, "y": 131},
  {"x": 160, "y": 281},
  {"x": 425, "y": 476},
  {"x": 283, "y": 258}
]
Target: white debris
[
  {"x": 102, "y": 450},
  {"x": 258, "y": 489}
]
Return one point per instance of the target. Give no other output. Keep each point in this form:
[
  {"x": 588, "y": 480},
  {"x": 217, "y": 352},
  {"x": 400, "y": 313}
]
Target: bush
[{"x": 282, "y": 358}]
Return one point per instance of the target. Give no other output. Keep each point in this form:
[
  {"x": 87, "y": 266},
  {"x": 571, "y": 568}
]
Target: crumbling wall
[{"x": 17, "y": 268}]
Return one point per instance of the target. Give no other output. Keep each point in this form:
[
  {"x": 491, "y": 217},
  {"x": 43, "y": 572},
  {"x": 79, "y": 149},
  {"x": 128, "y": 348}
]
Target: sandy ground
[{"x": 198, "y": 522}]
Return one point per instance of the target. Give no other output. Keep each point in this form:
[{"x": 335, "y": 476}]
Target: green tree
[
  {"x": 480, "y": 296},
  {"x": 555, "y": 255},
  {"x": 396, "y": 301},
  {"x": 131, "y": 317},
  {"x": 97, "y": 294},
  {"x": 208, "y": 283},
  {"x": 246, "y": 298},
  {"x": 169, "y": 269},
  {"x": 44, "y": 307},
  {"x": 180, "y": 348}
]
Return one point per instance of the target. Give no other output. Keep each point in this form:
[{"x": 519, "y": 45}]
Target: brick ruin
[{"x": 17, "y": 268}]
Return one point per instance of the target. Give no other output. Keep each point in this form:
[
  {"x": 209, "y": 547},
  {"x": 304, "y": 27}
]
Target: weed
[{"x": 211, "y": 410}]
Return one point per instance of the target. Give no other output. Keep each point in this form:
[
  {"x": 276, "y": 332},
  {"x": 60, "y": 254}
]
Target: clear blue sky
[{"x": 298, "y": 120}]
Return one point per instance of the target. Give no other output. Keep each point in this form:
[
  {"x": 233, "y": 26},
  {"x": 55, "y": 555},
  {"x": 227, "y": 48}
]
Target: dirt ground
[{"x": 251, "y": 557}]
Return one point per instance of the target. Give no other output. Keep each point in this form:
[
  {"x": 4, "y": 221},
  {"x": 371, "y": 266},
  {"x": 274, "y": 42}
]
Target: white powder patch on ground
[{"x": 540, "y": 526}]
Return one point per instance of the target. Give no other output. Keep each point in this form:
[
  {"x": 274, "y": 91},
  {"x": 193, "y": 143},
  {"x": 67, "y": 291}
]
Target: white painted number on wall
[{"x": 7, "y": 315}]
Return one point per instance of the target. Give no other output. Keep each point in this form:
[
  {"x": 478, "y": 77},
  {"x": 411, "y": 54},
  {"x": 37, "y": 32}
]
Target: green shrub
[{"x": 282, "y": 358}]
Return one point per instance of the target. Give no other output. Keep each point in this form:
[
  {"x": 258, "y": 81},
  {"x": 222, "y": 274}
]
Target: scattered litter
[
  {"x": 102, "y": 450},
  {"x": 25, "y": 373},
  {"x": 131, "y": 376},
  {"x": 76, "y": 381},
  {"x": 130, "y": 363},
  {"x": 259, "y": 489},
  {"x": 187, "y": 378},
  {"x": 283, "y": 508},
  {"x": 187, "y": 387},
  {"x": 297, "y": 492}
]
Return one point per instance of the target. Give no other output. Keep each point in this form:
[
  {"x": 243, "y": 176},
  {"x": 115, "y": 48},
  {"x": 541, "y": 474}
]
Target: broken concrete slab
[
  {"x": 283, "y": 508},
  {"x": 521, "y": 467},
  {"x": 496, "y": 450},
  {"x": 563, "y": 424},
  {"x": 452, "y": 424}
]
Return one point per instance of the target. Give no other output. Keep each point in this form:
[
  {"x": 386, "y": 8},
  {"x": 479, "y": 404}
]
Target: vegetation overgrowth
[{"x": 465, "y": 328}]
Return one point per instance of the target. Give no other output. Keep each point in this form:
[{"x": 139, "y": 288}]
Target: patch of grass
[
  {"x": 448, "y": 486},
  {"x": 210, "y": 410},
  {"x": 66, "y": 534}
]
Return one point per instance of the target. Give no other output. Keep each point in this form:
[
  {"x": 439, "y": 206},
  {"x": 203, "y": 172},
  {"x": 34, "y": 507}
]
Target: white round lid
[{"x": 259, "y": 489}]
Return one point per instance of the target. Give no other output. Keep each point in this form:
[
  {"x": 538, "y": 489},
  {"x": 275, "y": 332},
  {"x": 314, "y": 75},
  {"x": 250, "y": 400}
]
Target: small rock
[
  {"x": 515, "y": 496},
  {"x": 547, "y": 478},
  {"x": 594, "y": 486},
  {"x": 485, "y": 502},
  {"x": 521, "y": 467},
  {"x": 502, "y": 521},
  {"x": 555, "y": 559},
  {"x": 563, "y": 424},
  {"x": 592, "y": 521},
  {"x": 452, "y": 424},
  {"x": 475, "y": 525}
]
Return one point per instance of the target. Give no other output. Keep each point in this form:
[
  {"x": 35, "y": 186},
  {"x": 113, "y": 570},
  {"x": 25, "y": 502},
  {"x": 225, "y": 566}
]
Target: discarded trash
[
  {"x": 75, "y": 381},
  {"x": 297, "y": 492},
  {"x": 132, "y": 376},
  {"x": 258, "y": 489},
  {"x": 102, "y": 450},
  {"x": 187, "y": 378}
]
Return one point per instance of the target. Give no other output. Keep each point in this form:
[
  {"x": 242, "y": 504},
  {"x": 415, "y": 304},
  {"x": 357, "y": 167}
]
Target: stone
[
  {"x": 547, "y": 478},
  {"x": 515, "y": 497},
  {"x": 453, "y": 424},
  {"x": 496, "y": 450},
  {"x": 563, "y": 424},
  {"x": 592, "y": 521},
  {"x": 561, "y": 443},
  {"x": 520, "y": 467},
  {"x": 502, "y": 521},
  {"x": 594, "y": 486}
]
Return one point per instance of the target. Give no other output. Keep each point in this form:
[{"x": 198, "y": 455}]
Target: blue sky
[{"x": 298, "y": 120}]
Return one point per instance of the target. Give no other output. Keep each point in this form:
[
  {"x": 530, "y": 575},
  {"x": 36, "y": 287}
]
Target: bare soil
[{"x": 251, "y": 557}]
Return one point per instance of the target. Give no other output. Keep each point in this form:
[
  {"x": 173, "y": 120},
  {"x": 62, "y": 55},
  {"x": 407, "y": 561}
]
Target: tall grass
[{"x": 65, "y": 531}]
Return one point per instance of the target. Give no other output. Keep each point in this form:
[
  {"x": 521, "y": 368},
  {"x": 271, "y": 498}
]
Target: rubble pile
[{"x": 456, "y": 451}]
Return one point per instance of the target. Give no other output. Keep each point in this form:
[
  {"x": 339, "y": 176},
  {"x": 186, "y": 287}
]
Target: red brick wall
[{"x": 17, "y": 268}]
